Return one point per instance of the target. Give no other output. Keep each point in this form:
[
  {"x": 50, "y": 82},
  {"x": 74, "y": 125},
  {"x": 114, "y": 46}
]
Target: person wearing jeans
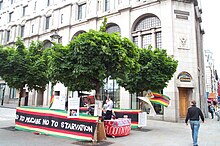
[{"x": 193, "y": 115}]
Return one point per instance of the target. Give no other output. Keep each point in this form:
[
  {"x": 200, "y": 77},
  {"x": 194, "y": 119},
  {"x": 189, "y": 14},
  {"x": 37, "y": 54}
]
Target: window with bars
[
  {"x": 158, "y": 40},
  {"x": 47, "y": 22},
  {"x": 82, "y": 11},
  {"x": 135, "y": 40},
  {"x": 147, "y": 23},
  {"x": 113, "y": 28},
  {"x": 146, "y": 40},
  {"x": 149, "y": 29},
  {"x": 107, "y": 5}
]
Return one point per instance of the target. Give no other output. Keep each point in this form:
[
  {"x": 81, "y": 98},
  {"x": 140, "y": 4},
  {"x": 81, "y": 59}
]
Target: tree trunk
[
  {"x": 26, "y": 99},
  {"x": 98, "y": 91},
  {"x": 20, "y": 95}
]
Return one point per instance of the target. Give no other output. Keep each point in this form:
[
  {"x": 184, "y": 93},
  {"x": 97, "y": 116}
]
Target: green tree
[
  {"x": 157, "y": 68},
  {"x": 93, "y": 56},
  {"x": 22, "y": 67},
  {"x": 36, "y": 75},
  {"x": 57, "y": 64},
  {"x": 14, "y": 67},
  {"x": 4, "y": 53}
]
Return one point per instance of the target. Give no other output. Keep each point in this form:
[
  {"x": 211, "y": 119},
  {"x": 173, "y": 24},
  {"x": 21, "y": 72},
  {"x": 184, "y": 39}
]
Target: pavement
[{"x": 156, "y": 133}]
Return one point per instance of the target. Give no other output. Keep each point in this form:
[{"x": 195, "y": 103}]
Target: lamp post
[
  {"x": 55, "y": 37},
  {"x": 2, "y": 86}
]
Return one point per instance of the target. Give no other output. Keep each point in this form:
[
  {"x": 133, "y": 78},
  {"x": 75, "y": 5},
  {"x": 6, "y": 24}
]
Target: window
[
  {"x": 98, "y": 5},
  {"x": 1, "y": 4},
  {"x": 119, "y": 1},
  {"x": 148, "y": 31},
  {"x": 22, "y": 31},
  {"x": 159, "y": 109},
  {"x": 32, "y": 28},
  {"x": 12, "y": 93},
  {"x": 48, "y": 2},
  {"x": 158, "y": 40},
  {"x": 10, "y": 17},
  {"x": 146, "y": 40},
  {"x": 107, "y": 5},
  {"x": 8, "y": 35},
  {"x": 35, "y": 5},
  {"x": 135, "y": 40},
  {"x": 113, "y": 28},
  {"x": 47, "y": 44},
  {"x": 47, "y": 22},
  {"x": 24, "y": 10},
  {"x": 57, "y": 93},
  {"x": 1, "y": 36},
  {"x": 82, "y": 11},
  {"x": 61, "y": 19}
]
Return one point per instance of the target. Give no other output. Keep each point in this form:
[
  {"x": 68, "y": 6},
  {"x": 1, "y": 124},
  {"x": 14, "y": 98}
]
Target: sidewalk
[
  {"x": 13, "y": 106},
  {"x": 157, "y": 133}
]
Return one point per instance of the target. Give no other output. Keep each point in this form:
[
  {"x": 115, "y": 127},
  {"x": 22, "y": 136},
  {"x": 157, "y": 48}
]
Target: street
[{"x": 158, "y": 133}]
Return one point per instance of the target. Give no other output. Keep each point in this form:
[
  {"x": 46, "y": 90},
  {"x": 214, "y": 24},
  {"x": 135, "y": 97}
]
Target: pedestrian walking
[
  {"x": 211, "y": 109},
  {"x": 193, "y": 115}
]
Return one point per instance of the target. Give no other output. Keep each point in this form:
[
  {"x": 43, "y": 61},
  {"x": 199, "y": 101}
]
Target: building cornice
[{"x": 188, "y": 1}]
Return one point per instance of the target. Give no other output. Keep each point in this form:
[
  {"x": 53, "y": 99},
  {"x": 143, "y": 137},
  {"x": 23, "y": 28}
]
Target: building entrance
[{"x": 183, "y": 101}]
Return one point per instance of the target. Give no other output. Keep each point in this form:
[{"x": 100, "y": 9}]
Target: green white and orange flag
[{"x": 51, "y": 97}]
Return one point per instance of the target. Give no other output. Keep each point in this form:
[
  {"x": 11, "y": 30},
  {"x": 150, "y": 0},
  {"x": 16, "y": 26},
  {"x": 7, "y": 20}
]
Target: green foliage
[
  {"x": 157, "y": 68},
  {"x": 103, "y": 26},
  {"x": 37, "y": 72},
  {"x": 15, "y": 65},
  {"x": 56, "y": 62},
  {"x": 93, "y": 56},
  {"x": 20, "y": 66}
]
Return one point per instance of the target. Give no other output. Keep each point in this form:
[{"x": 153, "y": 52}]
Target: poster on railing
[
  {"x": 142, "y": 119},
  {"x": 58, "y": 103},
  {"x": 98, "y": 108},
  {"x": 73, "y": 106}
]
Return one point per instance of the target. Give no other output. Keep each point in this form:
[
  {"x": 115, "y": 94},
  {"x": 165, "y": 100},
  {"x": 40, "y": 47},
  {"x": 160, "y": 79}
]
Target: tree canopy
[
  {"x": 86, "y": 62},
  {"x": 157, "y": 68},
  {"x": 21, "y": 66},
  {"x": 92, "y": 57}
]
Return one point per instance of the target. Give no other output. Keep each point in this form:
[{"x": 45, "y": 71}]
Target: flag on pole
[
  {"x": 160, "y": 99},
  {"x": 51, "y": 97}
]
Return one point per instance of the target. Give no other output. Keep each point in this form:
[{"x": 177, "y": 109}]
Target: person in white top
[{"x": 108, "y": 107}]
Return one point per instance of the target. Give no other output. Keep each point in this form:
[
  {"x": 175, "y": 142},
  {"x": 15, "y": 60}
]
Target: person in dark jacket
[
  {"x": 194, "y": 114},
  {"x": 211, "y": 109}
]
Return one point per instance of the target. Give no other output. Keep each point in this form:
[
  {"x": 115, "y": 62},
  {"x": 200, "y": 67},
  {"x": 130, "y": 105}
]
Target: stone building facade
[{"x": 174, "y": 25}]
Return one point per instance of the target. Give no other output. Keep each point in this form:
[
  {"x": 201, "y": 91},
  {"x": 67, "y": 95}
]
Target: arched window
[
  {"x": 111, "y": 28},
  {"x": 78, "y": 33},
  {"x": 47, "y": 44},
  {"x": 147, "y": 32}
]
